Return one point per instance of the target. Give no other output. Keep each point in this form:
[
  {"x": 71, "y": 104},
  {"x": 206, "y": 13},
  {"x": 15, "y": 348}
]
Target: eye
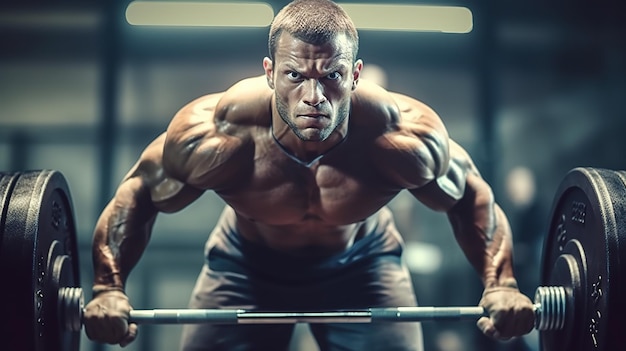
[
  {"x": 334, "y": 76},
  {"x": 294, "y": 75}
]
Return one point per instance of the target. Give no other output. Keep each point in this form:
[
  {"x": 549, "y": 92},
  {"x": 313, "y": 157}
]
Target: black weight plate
[
  {"x": 39, "y": 213},
  {"x": 7, "y": 181},
  {"x": 588, "y": 225}
]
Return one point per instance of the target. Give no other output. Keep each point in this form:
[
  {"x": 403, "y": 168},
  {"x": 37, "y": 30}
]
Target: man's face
[{"x": 312, "y": 84}]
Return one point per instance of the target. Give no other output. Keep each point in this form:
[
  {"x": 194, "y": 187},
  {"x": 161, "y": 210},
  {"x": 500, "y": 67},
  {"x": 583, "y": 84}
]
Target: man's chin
[{"x": 310, "y": 134}]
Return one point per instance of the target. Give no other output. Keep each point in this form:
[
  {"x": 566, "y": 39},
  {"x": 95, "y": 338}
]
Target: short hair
[{"x": 313, "y": 21}]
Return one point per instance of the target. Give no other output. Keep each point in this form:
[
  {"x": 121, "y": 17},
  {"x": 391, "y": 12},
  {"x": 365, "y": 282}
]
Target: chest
[
  {"x": 322, "y": 181},
  {"x": 339, "y": 188}
]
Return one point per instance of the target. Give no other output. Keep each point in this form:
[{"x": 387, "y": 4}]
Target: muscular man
[{"x": 306, "y": 157}]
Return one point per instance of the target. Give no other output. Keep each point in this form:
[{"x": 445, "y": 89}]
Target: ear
[
  {"x": 356, "y": 72},
  {"x": 268, "y": 67}
]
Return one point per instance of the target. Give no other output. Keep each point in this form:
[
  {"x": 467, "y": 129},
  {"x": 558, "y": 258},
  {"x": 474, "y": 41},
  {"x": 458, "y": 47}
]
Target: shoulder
[
  {"x": 213, "y": 129},
  {"x": 418, "y": 119},
  {"x": 245, "y": 102},
  {"x": 410, "y": 143},
  {"x": 373, "y": 107},
  {"x": 391, "y": 111}
]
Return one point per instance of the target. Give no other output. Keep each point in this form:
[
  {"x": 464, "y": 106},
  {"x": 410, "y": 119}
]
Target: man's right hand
[{"x": 106, "y": 318}]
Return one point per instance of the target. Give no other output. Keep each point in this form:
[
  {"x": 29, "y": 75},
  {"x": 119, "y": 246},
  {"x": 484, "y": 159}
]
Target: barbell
[
  {"x": 550, "y": 305},
  {"x": 578, "y": 305}
]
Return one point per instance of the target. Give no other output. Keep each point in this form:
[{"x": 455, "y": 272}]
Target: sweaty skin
[{"x": 302, "y": 179}]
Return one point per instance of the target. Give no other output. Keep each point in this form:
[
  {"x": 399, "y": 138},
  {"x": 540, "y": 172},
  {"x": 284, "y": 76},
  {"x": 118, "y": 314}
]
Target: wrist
[
  {"x": 101, "y": 288},
  {"x": 508, "y": 284},
  {"x": 501, "y": 281}
]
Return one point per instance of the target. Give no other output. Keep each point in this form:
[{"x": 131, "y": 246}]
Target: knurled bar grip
[
  {"x": 191, "y": 316},
  {"x": 371, "y": 315},
  {"x": 414, "y": 314}
]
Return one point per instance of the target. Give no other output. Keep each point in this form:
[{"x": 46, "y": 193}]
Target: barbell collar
[
  {"x": 551, "y": 302},
  {"x": 70, "y": 307}
]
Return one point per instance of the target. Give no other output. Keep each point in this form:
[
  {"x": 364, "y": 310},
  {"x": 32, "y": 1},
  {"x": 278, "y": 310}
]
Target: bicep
[
  {"x": 448, "y": 189},
  {"x": 166, "y": 193}
]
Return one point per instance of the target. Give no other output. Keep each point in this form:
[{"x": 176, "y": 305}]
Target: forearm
[
  {"x": 122, "y": 233},
  {"x": 483, "y": 233}
]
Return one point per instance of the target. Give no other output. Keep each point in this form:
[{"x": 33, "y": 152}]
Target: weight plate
[
  {"x": 7, "y": 181},
  {"x": 39, "y": 226},
  {"x": 582, "y": 252}
]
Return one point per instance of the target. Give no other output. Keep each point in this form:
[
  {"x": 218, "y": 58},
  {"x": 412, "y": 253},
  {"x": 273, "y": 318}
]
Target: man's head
[
  {"x": 312, "y": 66},
  {"x": 314, "y": 22}
]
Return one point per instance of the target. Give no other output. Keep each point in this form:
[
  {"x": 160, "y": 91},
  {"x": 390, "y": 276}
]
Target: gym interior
[{"x": 532, "y": 89}]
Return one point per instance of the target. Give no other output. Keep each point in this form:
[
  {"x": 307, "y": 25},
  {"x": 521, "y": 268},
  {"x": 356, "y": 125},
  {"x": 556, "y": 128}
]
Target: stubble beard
[{"x": 323, "y": 134}]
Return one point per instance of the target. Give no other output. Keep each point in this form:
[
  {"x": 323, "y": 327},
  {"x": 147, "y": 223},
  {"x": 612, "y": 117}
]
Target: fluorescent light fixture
[
  {"x": 383, "y": 17},
  {"x": 411, "y": 18},
  {"x": 199, "y": 14}
]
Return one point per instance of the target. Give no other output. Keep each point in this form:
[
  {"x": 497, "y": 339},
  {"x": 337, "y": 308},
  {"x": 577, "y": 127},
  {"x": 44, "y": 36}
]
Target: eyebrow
[{"x": 334, "y": 68}]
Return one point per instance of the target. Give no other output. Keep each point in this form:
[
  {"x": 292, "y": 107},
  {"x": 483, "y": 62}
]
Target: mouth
[
  {"x": 312, "y": 120},
  {"x": 312, "y": 115}
]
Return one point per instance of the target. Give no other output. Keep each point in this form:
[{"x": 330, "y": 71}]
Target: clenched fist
[
  {"x": 510, "y": 312},
  {"x": 106, "y": 318}
]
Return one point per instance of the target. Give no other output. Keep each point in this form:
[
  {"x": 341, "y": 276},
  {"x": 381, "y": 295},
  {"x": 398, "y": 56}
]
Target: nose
[{"x": 314, "y": 93}]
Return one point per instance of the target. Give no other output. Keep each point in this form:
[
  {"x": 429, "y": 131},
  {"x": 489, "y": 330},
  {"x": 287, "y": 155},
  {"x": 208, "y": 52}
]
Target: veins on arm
[
  {"x": 480, "y": 226},
  {"x": 125, "y": 225},
  {"x": 483, "y": 232}
]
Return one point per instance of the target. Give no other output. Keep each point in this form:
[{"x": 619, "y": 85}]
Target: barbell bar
[
  {"x": 550, "y": 307},
  {"x": 579, "y": 305}
]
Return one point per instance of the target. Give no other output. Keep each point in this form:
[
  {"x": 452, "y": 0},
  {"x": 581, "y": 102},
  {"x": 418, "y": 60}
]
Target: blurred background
[{"x": 531, "y": 89}]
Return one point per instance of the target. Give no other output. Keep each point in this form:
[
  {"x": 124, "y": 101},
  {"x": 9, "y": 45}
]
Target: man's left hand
[{"x": 511, "y": 313}]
